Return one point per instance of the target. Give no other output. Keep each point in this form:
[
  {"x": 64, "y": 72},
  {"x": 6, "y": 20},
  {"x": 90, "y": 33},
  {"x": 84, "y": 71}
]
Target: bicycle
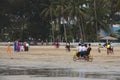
[{"x": 75, "y": 57}]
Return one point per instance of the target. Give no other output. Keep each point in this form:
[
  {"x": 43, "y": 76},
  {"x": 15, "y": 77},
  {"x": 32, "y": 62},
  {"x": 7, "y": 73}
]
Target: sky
[{"x": 116, "y": 27}]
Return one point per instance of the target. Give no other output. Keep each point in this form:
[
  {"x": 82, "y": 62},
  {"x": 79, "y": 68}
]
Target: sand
[{"x": 50, "y": 57}]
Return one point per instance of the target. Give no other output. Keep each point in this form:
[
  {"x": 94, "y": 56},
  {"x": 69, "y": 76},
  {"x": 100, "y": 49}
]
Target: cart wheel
[
  {"x": 90, "y": 59},
  {"x": 75, "y": 58}
]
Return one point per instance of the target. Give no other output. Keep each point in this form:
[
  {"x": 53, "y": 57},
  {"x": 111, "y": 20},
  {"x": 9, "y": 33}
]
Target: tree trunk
[
  {"x": 53, "y": 33},
  {"x": 53, "y": 37},
  {"x": 96, "y": 25},
  {"x": 80, "y": 29},
  {"x": 65, "y": 34},
  {"x": 83, "y": 30}
]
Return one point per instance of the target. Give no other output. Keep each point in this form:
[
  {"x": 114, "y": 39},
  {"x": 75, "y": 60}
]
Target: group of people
[
  {"x": 57, "y": 44},
  {"x": 17, "y": 46},
  {"x": 84, "y": 51},
  {"x": 21, "y": 46},
  {"x": 108, "y": 46}
]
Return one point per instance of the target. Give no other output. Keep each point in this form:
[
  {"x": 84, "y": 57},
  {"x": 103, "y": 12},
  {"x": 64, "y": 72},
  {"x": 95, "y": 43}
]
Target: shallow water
[{"x": 58, "y": 72}]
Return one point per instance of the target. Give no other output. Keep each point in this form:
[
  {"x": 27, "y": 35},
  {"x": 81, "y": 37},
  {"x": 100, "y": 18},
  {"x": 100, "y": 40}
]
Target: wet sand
[{"x": 103, "y": 67}]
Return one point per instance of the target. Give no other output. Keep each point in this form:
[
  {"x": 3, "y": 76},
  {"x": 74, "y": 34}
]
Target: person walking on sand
[
  {"x": 99, "y": 48},
  {"x": 68, "y": 46}
]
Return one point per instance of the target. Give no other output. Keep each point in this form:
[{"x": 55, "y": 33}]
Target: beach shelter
[{"x": 108, "y": 38}]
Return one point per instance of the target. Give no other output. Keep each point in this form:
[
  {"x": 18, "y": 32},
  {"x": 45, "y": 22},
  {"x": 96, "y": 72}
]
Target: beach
[{"x": 51, "y": 63}]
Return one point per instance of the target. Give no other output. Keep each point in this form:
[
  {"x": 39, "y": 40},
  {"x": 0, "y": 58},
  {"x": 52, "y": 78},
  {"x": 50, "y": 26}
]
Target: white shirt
[
  {"x": 79, "y": 48},
  {"x": 84, "y": 48},
  {"x": 27, "y": 44}
]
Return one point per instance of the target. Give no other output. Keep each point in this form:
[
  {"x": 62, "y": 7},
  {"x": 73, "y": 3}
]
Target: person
[
  {"x": 105, "y": 44},
  {"x": 79, "y": 50},
  {"x": 99, "y": 48},
  {"x": 15, "y": 46},
  {"x": 83, "y": 50},
  {"x": 68, "y": 46},
  {"x": 89, "y": 48},
  {"x": 9, "y": 43},
  {"x": 88, "y": 51},
  {"x": 108, "y": 48},
  {"x": 111, "y": 48},
  {"x": 57, "y": 44},
  {"x": 22, "y": 47},
  {"x": 27, "y": 46},
  {"x": 18, "y": 46},
  {"x": 8, "y": 49}
]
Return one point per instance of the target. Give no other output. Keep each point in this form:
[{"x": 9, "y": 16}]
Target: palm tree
[
  {"x": 76, "y": 13},
  {"x": 50, "y": 11},
  {"x": 88, "y": 16},
  {"x": 61, "y": 5},
  {"x": 98, "y": 16},
  {"x": 114, "y": 8}
]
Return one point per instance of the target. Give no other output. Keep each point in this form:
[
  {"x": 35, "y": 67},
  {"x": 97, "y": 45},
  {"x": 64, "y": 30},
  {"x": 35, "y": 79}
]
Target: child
[
  {"x": 22, "y": 48},
  {"x": 8, "y": 49},
  {"x": 99, "y": 48}
]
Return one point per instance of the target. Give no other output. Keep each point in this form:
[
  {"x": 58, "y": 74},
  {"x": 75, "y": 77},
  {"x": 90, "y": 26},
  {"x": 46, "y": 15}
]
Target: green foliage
[
  {"x": 118, "y": 33},
  {"x": 113, "y": 35},
  {"x": 21, "y": 19}
]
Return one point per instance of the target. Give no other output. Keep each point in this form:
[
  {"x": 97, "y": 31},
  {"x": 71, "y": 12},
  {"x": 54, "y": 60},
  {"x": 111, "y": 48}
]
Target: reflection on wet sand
[{"x": 58, "y": 72}]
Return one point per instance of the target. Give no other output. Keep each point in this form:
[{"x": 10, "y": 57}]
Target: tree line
[{"x": 63, "y": 20}]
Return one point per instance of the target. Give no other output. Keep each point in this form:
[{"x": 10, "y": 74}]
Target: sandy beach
[{"x": 50, "y": 63}]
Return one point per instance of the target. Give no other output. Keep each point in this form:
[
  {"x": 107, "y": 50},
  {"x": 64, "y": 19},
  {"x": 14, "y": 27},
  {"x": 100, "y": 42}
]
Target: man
[{"x": 79, "y": 50}]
